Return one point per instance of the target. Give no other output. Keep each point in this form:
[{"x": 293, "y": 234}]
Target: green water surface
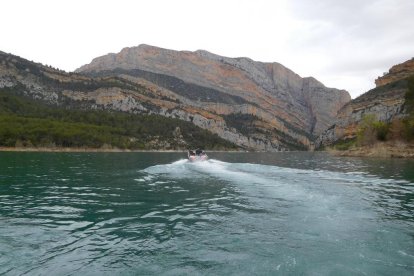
[{"x": 236, "y": 214}]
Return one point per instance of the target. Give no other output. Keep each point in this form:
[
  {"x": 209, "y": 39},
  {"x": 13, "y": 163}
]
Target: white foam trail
[
  {"x": 289, "y": 183},
  {"x": 186, "y": 169},
  {"x": 248, "y": 177},
  {"x": 234, "y": 172}
]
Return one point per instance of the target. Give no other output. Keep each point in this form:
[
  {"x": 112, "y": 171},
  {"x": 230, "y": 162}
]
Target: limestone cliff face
[
  {"x": 385, "y": 105},
  {"x": 126, "y": 94},
  {"x": 296, "y": 106},
  {"x": 258, "y": 106},
  {"x": 397, "y": 72},
  {"x": 386, "y": 102}
]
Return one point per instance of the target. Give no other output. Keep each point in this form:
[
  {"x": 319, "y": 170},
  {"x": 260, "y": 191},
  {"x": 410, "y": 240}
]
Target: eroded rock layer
[
  {"x": 286, "y": 107},
  {"x": 397, "y": 72},
  {"x": 385, "y": 102},
  {"x": 256, "y": 105}
]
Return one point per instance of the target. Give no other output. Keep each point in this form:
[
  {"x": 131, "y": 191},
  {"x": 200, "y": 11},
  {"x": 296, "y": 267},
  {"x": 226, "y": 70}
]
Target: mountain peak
[
  {"x": 311, "y": 81},
  {"x": 272, "y": 86}
]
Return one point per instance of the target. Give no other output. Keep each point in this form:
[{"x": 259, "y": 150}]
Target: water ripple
[{"x": 94, "y": 215}]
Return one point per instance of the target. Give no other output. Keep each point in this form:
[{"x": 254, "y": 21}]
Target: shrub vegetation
[{"x": 371, "y": 130}]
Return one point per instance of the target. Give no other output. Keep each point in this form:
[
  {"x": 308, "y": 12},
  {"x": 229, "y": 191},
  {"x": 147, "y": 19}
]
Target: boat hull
[{"x": 197, "y": 158}]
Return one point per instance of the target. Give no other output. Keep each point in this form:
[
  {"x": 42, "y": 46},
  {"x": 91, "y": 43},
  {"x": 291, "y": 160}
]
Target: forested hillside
[{"x": 30, "y": 123}]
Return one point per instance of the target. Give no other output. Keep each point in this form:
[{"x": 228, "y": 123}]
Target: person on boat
[{"x": 197, "y": 155}]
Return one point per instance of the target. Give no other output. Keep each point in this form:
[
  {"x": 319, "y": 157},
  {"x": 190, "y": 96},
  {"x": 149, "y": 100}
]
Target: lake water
[{"x": 236, "y": 214}]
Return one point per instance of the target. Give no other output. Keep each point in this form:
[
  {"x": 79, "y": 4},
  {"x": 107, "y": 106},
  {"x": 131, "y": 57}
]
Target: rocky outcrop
[
  {"x": 384, "y": 105},
  {"x": 397, "y": 72},
  {"x": 385, "y": 102}
]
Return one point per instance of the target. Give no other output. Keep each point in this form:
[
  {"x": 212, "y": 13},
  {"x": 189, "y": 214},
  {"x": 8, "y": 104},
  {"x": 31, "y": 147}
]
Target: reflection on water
[{"x": 239, "y": 213}]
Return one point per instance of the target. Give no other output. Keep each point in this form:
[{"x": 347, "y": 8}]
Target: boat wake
[
  {"x": 247, "y": 173},
  {"x": 212, "y": 168},
  {"x": 298, "y": 185}
]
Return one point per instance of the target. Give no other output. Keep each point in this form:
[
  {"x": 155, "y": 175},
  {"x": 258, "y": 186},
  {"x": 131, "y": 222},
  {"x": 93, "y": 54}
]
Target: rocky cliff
[
  {"x": 397, "y": 72},
  {"x": 386, "y": 102},
  {"x": 258, "y": 106},
  {"x": 281, "y": 108},
  {"x": 47, "y": 107}
]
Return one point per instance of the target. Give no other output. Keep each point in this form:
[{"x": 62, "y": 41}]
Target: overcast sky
[{"x": 344, "y": 44}]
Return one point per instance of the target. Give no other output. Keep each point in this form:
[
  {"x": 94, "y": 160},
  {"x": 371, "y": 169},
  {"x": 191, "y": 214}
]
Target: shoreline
[
  {"x": 57, "y": 149},
  {"x": 378, "y": 150},
  {"x": 91, "y": 150}
]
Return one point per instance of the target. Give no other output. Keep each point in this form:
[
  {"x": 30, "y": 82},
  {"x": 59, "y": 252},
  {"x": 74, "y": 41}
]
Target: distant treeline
[{"x": 27, "y": 122}]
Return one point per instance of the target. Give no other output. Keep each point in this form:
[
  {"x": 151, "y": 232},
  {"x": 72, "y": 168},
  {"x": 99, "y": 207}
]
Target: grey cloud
[{"x": 359, "y": 38}]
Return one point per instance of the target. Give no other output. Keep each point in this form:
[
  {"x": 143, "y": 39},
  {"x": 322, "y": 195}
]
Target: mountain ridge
[
  {"x": 256, "y": 105},
  {"x": 271, "y": 86}
]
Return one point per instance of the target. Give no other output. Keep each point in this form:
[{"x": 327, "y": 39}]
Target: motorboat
[{"x": 197, "y": 155}]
